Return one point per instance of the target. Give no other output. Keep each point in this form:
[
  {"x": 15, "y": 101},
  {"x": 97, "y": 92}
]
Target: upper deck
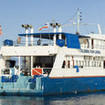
[
  {"x": 39, "y": 44},
  {"x": 49, "y": 43}
]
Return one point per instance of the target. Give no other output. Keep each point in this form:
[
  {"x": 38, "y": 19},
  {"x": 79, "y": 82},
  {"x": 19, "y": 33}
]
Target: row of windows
[
  {"x": 98, "y": 44},
  {"x": 93, "y": 58},
  {"x": 88, "y": 63},
  {"x": 71, "y": 64}
]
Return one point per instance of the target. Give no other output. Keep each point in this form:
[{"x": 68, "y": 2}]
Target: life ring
[{"x": 18, "y": 40}]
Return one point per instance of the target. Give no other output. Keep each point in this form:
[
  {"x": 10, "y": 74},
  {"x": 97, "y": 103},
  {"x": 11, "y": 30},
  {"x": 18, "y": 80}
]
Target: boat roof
[{"x": 50, "y": 35}]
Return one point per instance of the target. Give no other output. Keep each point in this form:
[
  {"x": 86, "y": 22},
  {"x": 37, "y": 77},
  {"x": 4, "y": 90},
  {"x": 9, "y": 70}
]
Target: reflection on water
[{"x": 72, "y": 99}]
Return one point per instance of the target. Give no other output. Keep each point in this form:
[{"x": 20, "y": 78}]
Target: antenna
[{"x": 99, "y": 29}]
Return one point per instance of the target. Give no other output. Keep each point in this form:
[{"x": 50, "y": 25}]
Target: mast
[{"x": 78, "y": 20}]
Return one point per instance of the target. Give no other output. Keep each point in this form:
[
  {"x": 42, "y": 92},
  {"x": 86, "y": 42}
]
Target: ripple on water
[{"x": 71, "y": 99}]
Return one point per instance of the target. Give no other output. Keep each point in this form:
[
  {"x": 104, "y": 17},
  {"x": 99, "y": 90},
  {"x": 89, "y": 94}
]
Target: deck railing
[{"x": 34, "y": 43}]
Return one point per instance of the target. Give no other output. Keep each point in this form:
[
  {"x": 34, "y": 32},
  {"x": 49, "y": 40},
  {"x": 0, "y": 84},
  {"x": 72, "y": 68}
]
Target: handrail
[{"x": 34, "y": 43}]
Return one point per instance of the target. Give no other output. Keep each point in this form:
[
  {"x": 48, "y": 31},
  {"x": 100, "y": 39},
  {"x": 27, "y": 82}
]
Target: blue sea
[{"x": 70, "y": 99}]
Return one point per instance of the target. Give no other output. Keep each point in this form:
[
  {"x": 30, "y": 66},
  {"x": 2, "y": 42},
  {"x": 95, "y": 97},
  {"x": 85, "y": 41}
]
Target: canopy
[{"x": 49, "y": 35}]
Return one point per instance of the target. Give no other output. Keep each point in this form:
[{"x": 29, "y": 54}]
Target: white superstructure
[{"x": 57, "y": 61}]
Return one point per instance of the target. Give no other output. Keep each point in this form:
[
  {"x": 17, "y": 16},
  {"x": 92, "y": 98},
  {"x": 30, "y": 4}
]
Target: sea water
[{"x": 70, "y": 99}]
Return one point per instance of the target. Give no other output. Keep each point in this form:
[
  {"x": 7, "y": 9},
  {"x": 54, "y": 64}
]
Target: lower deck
[{"x": 48, "y": 86}]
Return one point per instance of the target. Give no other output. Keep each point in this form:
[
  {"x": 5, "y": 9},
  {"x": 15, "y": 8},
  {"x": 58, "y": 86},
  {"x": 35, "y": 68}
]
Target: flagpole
[
  {"x": 1, "y": 39},
  {"x": 1, "y": 34}
]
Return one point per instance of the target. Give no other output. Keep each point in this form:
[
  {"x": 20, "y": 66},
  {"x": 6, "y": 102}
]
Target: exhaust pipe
[
  {"x": 32, "y": 30},
  {"x": 26, "y": 31},
  {"x": 59, "y": 30}
]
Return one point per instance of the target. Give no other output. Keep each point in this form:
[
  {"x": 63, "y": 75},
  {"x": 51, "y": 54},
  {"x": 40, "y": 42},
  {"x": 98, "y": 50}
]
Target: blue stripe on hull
[
  {"x": 71, "y": 85},
  {"x": 48, "y": 86}
]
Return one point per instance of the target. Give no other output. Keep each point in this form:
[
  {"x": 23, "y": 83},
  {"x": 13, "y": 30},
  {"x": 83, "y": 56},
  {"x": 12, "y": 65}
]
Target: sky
[{"x": 14, "y": 13}]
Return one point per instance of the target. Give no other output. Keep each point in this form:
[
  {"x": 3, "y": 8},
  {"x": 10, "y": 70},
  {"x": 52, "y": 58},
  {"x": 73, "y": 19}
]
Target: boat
[{"x": 49, "y": 63}]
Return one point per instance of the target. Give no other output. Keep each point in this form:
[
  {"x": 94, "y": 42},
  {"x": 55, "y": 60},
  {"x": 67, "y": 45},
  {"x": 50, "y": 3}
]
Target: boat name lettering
[{"x": 90, "y": 51}]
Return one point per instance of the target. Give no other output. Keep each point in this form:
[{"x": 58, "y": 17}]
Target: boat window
[
  {"x": 79, "y": 63},
  {"x": 43, "y": 61},
  {"x": 88, "y": 63},
  {"x": 104, "y": 64},
  {"x": 68, "y": 63},
  {"x": 64, "y": 63},
  {"x": 10, "y": 63},
  {"x": 6, "y": 71},
  {"x": 76, "y": 63},
  {"x": 96, "y": 64},
  {"x": 84, "y": 42},
  {"x": 82, "y": 63},
  {"x": 92, "y": 42},
  {"x": 91, "y": 63},
  {"x": 85, "y": 63},
  {"x": 99, "y": 64}
]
